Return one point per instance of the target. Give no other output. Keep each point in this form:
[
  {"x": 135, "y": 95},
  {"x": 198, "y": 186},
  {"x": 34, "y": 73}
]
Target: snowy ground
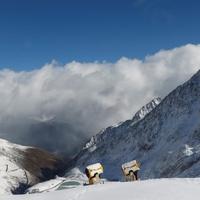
[{"x": 160, "y": 189}]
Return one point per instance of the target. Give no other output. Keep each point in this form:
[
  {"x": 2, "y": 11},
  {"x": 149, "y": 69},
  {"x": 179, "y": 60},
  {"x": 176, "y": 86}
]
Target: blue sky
[{"x": 34, "y": 32}]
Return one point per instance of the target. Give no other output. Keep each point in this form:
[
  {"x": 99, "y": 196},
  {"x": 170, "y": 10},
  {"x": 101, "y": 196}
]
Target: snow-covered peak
[{"x": 146, "y": 109}]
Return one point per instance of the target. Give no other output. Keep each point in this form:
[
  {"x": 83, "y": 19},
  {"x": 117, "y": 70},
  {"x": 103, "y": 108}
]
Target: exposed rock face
[
  {"x": 166, "y": 141},
  {"x": 23, "y": 166}
]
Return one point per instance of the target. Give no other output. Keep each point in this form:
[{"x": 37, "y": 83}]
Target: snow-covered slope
[
  {"x": 145, "y": 110},
  {"x": 166, "y": 141},
  {"x": 136, "y": 118},
  {"x": 163, "y": 189},
  {"x": 21, "y": 167}
]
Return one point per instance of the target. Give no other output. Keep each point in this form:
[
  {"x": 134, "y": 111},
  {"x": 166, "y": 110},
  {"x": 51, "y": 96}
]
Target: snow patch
[{"x": 188, "y": 150}]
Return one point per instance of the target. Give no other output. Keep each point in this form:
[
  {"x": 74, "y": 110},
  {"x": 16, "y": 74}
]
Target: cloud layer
[{"x": 59, "y": 107}]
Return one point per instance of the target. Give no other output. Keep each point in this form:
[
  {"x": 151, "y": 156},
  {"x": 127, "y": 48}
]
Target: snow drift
[{"x": 163, "y": 189}]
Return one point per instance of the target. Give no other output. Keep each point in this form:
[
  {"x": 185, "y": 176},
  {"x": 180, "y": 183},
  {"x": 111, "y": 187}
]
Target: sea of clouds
[{"x": 59, "y": 107}]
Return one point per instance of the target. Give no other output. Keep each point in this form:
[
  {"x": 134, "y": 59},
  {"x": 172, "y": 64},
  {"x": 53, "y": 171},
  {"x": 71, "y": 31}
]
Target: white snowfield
[{"x": 157, "y": 189}]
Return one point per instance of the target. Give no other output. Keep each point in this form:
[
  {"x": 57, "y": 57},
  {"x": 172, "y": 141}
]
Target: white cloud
[{"x": 59, "y": 107}]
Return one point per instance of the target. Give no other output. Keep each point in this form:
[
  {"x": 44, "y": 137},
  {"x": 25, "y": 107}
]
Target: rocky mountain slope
[
  {"x": 22, "y": 166},
  {"x": 166, "y": 141},
  {"x": 136, "y": 118}
]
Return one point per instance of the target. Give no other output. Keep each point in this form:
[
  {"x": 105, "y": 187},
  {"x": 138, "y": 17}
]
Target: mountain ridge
[{"x": 166, "y": 140}]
